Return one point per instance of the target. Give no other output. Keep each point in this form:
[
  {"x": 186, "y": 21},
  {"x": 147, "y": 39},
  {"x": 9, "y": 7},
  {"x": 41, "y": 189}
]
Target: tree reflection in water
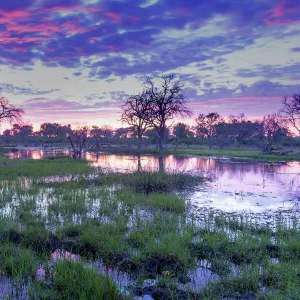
[{"x": 234, "y": 180}]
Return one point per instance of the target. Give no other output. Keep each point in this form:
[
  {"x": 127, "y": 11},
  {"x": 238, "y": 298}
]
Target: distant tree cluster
[
  {"x": 148, "y": 115},
  {"x": 265, "y": 132}
]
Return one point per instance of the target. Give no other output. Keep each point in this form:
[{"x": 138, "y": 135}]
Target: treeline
[
  {"x": 265, "y": 133},
  {"x": 147, "y": 117},
  {"x": 211, "y": 129}
]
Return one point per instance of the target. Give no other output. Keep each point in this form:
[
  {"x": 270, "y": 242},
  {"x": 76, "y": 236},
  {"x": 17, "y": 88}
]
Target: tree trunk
[
  {"x": 139, "y": 163},
  {"x": 161, "y": 164},
  {"x": 161, "y": 134},
  {"x": 160, "y": 143},
  {"x": 210, "y": 142},
  {"x": 176, "y": 145},
  {"x": 139, "y": 144}
]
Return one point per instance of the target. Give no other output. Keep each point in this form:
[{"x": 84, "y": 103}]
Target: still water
[{"x": 237, "y": 184}]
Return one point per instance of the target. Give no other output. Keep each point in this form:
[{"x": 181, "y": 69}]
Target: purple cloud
[
  {"x": 111, "y": 40},
  {"x": 28, "y": 27}
]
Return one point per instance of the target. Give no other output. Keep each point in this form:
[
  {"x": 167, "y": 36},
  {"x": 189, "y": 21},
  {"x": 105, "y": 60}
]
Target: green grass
[
  {"x": 17, "y": 262},
  {"x": 150, "y": 233},
  {"x": 151, "y": 181},
  {"x": 39, "y": 168},
  {"x": 237, "y": 153},
  {"x": 72, "y": 280},
  {"x": 160, "y": 201}
]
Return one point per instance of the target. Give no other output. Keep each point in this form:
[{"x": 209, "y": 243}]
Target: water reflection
[
  {"x": 238, "y": 184},
  {"x": 39, "y": 154}
]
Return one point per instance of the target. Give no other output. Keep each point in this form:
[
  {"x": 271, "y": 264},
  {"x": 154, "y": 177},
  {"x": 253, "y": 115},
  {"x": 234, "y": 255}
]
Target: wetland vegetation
[{"x": 72, "y": 231}]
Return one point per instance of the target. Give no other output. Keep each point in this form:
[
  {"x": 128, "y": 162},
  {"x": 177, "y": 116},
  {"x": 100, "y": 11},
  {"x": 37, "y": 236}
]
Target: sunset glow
[{"x": 76, "y": 61}]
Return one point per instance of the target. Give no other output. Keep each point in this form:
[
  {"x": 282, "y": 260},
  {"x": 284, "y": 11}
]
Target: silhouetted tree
[
  {"x": 96, "y": 134},
  {"x": 63, "y": 130},
  {"x": 206, "y": 126},
  {"x": 244, "y": 130},
  {"x": 275, "y": 129},
  {"x": 6, "y": 133},
  {"x": 22, "y": 131},
  {"x": 78, "y": 138},
  {"x": 223, "y": 134},
  {"x": 54, "y": 130},
  {"x": 291, "y": 110},
  {"x": 49, "y": 129},
  {"x": 136, "y": 113},
  {"x": 151, "y": 134},
  {"x": 9, "y": 113},
  {"x": 167, "y": 101},
  {"x": 182, "y": 131},
  {"x": 121, "y": 132},
  {"x": 107, "y": 131}
]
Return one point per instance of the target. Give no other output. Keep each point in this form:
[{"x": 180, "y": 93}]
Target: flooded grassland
[{"x": 143, "y": 227}]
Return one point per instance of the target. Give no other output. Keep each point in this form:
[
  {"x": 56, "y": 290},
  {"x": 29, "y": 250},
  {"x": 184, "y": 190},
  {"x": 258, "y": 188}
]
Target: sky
[{"x": 76, "y": 61}]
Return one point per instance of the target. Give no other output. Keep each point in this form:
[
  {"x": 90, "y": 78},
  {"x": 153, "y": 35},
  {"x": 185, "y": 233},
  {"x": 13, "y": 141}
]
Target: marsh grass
[
  {"x": 39, "y": 168},
  {"x": 147, "y": 181},
  {"x": 237, "y": 152},
  {"x": 72, "y": 280},
  {"x": 160, "y": 201},
  {"x": 17, "y": 262},
  {"x": 138, "y": 224},
  {"x": 150, "y": 181}
]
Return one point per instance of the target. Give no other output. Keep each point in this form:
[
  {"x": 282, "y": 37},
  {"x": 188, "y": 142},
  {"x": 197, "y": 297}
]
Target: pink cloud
[
  {"x": 113, "y": 48},
  {"x": 11, "y": 17},
  {"x": 18, "y": 49},
  {"x": 114, "y": 17},
  {"x": 251, "y": 106},
  {"x": 20, "y": 41},
  {"x": 45, "y": 30},
  {"x": 133, "y": 19},
  {"x": 12, "y": 21},
  {"x": 281, "y": 14},
  {"x": 71, "y": 27},
  {"x": 31, "y": 28},
  {"x": 137, "y": 43},
  {"x": 42, "y": 110},
  {"x": 181, "y": 11},
  {"x": 72, "y": 8},
  {"x": 280, "y": 22}
]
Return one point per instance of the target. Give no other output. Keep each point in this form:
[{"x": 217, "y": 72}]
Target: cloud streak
[{"x": 223, "y": 49}]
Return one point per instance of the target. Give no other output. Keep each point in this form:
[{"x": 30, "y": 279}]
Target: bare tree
[
  {"x": 291, "y": 110},
  {"x": 167, "y": 101},
  {"x": 9, "y": 113},
  {"x": 137, "y": 112},
  {"x": 78, "y": 138}
]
